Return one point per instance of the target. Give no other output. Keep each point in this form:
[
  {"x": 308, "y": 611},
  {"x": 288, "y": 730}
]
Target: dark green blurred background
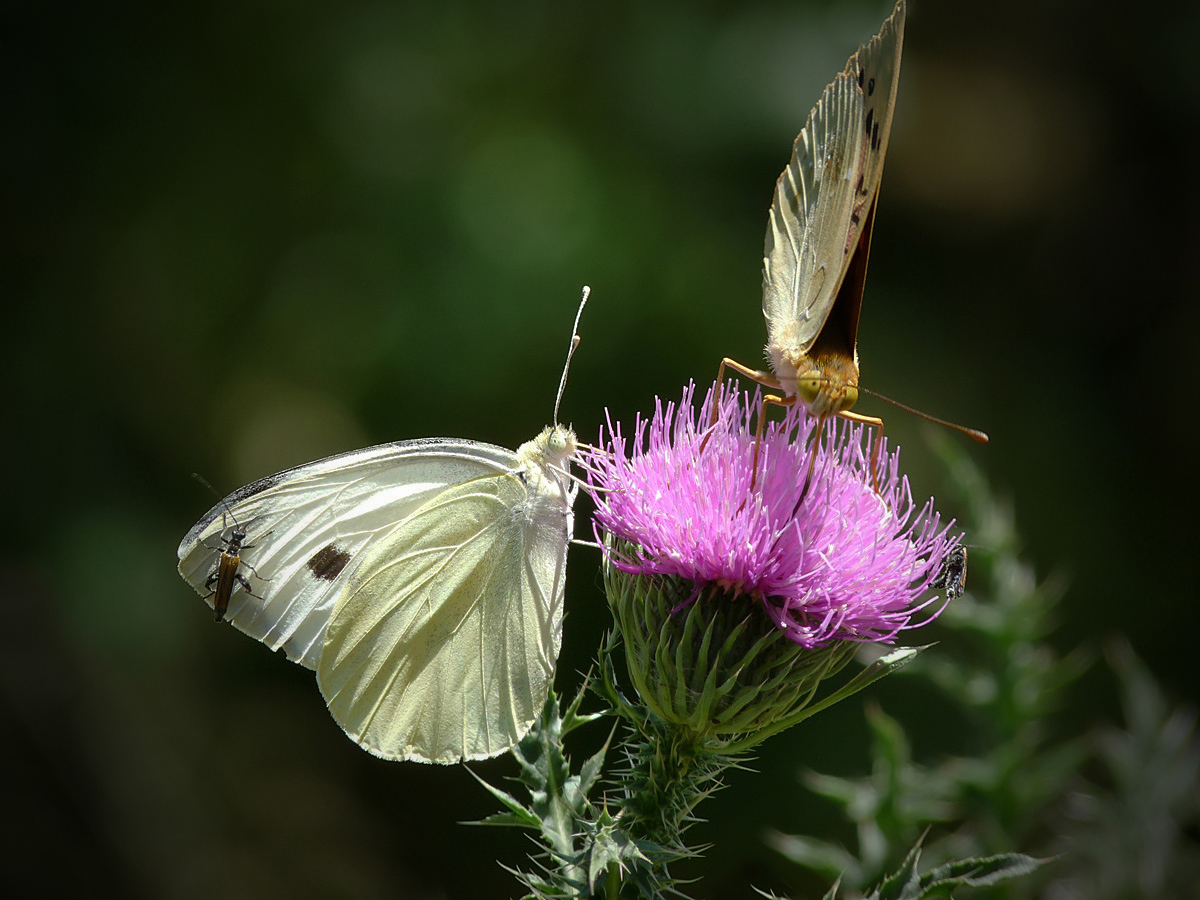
[{"x": 239, "y": 237}]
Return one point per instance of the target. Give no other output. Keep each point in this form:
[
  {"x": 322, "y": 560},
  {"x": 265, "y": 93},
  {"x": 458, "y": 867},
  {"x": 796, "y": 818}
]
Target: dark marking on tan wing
[{"x": 328, "y": 562}]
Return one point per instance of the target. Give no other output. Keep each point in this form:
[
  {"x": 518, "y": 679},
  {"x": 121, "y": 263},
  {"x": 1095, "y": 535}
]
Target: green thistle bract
[{"x": 716, "y": 665}]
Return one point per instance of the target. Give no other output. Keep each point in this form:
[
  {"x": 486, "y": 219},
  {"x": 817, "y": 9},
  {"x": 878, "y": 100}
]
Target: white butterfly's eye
[{"x": 561, "y": 442}]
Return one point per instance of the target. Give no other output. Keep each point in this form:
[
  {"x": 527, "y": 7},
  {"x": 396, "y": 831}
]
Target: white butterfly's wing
[
  {"x": 806, "y": 252},
  {"x": 443, "y": 645},
  {"x": 308, "y": 527}
]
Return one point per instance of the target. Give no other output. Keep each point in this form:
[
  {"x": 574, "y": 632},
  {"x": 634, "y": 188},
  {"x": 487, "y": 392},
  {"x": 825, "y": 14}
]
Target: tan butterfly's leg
[
  {"x": 766, "y": 379},
  {"x": 812, "y": 455},
  {"x": 870, "y": 422},
  {"x": 773, "y": 400}
]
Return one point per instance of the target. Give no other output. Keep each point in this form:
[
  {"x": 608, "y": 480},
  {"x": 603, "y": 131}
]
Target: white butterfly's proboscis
[{"x": 422, "y": 581}]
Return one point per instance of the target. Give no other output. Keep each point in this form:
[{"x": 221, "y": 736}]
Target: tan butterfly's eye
[
  {"x": 808, "y": 386},
  {"x": 849, "y": 398}
]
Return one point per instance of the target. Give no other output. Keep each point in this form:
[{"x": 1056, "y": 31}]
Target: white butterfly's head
[
  {"x": 552, "y": 449},
  {"x": 557, "y": 445},
  {"x": 546, "y": 459}
]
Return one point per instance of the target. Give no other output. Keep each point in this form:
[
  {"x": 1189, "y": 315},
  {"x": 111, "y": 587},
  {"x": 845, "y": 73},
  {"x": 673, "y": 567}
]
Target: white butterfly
[
  {"x": 819, "y": 231},
  {"x": 422, "y": 580}
]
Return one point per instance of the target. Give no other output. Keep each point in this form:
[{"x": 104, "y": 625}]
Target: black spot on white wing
[{"x": 328, "y": 562}]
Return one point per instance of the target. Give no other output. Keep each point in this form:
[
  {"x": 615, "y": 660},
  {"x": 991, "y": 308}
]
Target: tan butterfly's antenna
[
  {"x": 973, "y": 433},
  {"x": 562, "y": 384}
]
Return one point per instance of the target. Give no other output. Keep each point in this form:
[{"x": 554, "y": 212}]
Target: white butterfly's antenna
[{"x": 562, "y": 384}]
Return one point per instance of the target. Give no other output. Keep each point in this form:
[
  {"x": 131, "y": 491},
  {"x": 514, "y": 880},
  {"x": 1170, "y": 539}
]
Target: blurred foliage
[
  {"x": 1131, "y": 827},
  {"x": 237, "y": 237},
  {"x": 1130, "y": 831}
]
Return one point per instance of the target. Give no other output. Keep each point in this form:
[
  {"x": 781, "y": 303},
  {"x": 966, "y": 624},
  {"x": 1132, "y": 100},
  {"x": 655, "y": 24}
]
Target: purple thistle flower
[{"x": 830, "y": 561}]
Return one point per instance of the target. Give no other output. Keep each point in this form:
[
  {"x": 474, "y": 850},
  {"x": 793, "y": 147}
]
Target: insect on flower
[
  {"x": 819, "y": 237},
  {"x": 953, "y": 577}
]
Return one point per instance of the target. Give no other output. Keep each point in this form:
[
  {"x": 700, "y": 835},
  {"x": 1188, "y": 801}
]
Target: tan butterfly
[{"x": 819, "y": 235}]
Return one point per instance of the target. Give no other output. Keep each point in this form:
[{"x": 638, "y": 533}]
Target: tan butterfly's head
[{"x": 827, "y": 383}]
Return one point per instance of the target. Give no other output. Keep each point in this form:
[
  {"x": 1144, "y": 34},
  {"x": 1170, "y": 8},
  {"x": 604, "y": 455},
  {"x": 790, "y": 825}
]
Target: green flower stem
[{"x": 671, "y": 773}]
